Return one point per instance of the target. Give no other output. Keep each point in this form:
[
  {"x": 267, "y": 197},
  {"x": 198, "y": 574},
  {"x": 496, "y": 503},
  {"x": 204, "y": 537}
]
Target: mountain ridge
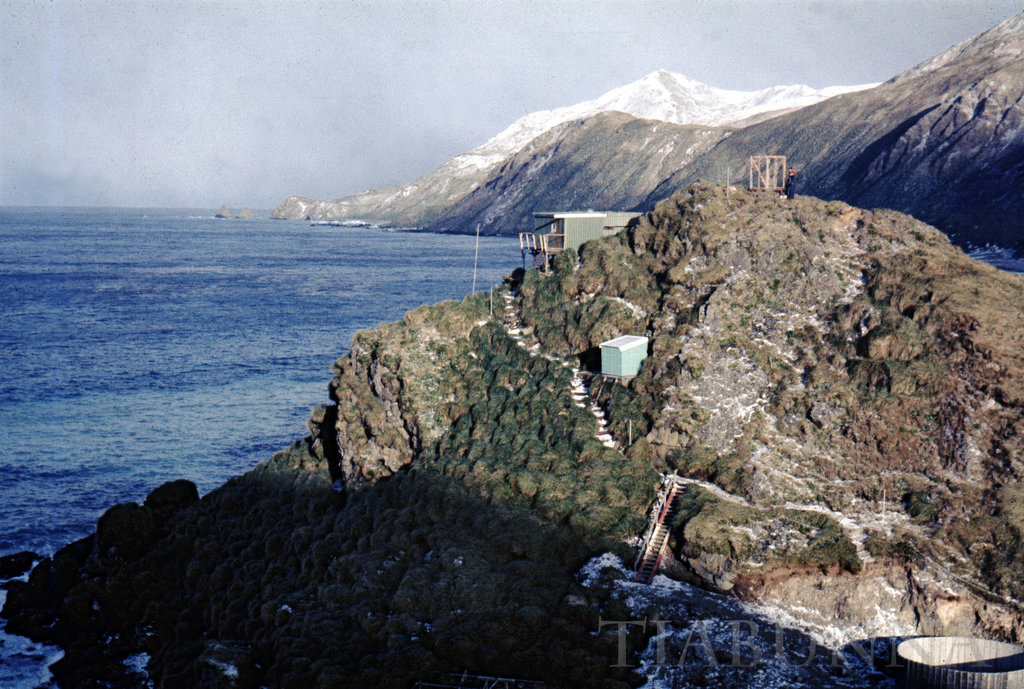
[
  {"x": 668, "y": 97},
  {"x": 943, "y": 141},
  {"x": 619, "y": 156},
  {"x": 997, "y": 36},
  {"x": 661, "y": 95}
]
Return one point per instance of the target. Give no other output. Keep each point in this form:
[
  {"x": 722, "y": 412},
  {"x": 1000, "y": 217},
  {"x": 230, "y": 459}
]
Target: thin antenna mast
[{"x": 476, "y": 256}]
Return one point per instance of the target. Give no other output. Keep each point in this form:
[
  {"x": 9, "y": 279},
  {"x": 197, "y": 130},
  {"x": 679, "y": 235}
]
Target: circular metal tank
[{"x": 960, "y": 662}]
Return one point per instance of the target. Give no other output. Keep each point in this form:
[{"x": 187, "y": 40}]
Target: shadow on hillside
[{"x": 273, "y": 580}]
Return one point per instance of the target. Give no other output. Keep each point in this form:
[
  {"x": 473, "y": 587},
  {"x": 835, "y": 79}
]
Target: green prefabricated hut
[
  {"x": 566, "y": 231},
  {"x": 621, "y": 357}
]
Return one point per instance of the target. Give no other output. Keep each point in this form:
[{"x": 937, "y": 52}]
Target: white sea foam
[
  {"x": 26, "y": 663},
  {"x": 1000, "y": 257}
]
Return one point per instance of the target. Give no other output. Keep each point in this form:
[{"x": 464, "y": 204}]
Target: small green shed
[{"x": 621, "y": 357}]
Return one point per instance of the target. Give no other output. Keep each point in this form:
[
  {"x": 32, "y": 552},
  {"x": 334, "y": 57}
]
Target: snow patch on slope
[{"x": 661, "y": 95}]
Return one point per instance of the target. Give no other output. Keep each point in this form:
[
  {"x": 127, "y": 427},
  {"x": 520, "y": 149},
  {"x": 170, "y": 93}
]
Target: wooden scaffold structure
[{"x": 767, "y": 173}]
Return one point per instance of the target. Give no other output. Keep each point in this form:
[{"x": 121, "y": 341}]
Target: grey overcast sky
[{"x": 201, "y": 103}]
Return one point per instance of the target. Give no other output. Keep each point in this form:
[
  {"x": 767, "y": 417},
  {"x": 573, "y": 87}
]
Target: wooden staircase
[{"x": 657, "y": 539}]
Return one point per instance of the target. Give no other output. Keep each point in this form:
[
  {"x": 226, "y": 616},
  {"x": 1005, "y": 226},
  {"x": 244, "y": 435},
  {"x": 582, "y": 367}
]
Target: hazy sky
[{"x": 203, "y": 103}]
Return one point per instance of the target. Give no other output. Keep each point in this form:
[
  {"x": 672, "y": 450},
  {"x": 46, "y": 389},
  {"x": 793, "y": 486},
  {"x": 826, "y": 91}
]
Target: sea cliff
[{"x": 841, "y": 389}]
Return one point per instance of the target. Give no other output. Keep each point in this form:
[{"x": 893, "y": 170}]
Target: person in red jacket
[{"x": 790, "y": 187}]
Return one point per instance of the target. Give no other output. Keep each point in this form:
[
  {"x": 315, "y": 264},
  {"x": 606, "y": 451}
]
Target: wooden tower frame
[{"x": 767, "y": 173}]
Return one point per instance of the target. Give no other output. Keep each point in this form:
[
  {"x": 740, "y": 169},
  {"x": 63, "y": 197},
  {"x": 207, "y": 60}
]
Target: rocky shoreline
[{"x": 842, "y": 390}]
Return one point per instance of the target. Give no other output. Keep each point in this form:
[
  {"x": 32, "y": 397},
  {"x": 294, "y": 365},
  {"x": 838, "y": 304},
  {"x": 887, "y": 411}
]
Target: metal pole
[{"x": 476, "y": 256}]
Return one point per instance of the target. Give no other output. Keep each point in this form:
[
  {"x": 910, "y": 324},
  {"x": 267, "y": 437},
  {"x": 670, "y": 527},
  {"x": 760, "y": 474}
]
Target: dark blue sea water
[{"x": 140, "y": 346}]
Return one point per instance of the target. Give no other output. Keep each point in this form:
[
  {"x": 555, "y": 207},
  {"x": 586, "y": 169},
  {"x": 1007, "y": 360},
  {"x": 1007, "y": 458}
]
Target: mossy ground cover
[{"x": 524, "y": 442}]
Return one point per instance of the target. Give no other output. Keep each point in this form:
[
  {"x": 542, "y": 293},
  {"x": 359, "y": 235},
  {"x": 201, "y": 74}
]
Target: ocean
[{"x": 141, "y": 346}]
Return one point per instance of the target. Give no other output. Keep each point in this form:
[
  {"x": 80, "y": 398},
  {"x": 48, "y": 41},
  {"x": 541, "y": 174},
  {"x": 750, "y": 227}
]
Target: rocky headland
[{"x": 840, "y": 390}]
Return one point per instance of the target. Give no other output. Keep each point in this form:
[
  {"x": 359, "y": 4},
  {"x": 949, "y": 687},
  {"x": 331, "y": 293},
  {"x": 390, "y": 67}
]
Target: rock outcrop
[
  {"x": 223, "y": 213},
  {"x": 16, "y": 564},
  {"x": 838, "y": 395},
  {"x": 76, "y": 598},
  {"x": 839, "y": 390},
  {"x": 246, "y": 214}
]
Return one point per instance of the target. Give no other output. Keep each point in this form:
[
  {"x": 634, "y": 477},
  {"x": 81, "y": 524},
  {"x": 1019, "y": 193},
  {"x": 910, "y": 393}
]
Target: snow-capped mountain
[{"x": 661, "y": 95}]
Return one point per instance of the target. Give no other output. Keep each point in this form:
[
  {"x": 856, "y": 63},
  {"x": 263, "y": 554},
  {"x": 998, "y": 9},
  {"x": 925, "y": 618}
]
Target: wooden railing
[{"x": 527, "y": 241}]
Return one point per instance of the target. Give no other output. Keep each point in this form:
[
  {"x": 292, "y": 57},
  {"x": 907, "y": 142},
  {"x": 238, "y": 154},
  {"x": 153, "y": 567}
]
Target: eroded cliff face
[
  {"x": 394, "y": 388},
  {"x": 886, "y": 599},
  {"x": 840, "y": 391}
]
